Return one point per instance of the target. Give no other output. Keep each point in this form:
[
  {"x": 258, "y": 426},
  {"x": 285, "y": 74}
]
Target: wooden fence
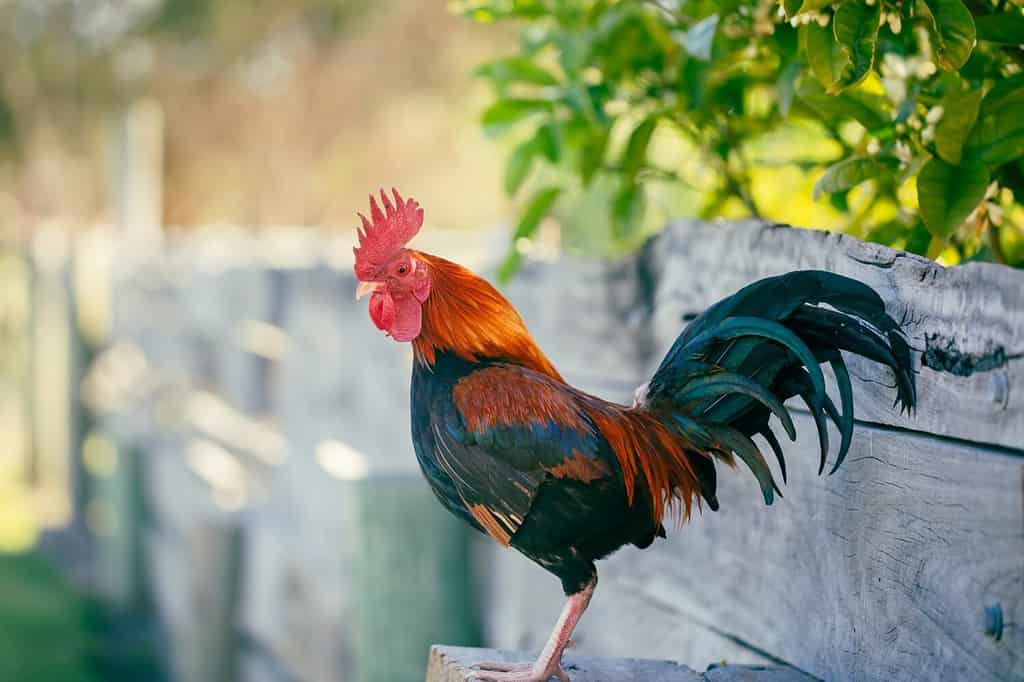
[
  {"x": 894, "y": 568},
  {"x": 253, "y": 474}
]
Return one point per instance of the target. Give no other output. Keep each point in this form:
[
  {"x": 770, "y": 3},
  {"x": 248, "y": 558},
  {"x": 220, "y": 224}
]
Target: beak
[{"x": 365, "y": 288}]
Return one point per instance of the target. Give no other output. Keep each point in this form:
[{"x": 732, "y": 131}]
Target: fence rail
[{"x": 250, "y": 432}]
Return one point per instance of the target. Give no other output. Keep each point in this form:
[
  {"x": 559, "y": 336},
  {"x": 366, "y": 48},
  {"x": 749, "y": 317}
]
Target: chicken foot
[{"x": 549, "y": 663}]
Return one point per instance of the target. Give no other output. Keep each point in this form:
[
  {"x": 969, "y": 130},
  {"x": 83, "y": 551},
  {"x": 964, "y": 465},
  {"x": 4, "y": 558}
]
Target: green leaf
[
  {"x": 7, "y": 130},
  {"x": 515, "y": 70},
  {"x": 520, "y": 161},
  {"x": 627, "y": 210},
  {"x": 508, "y": 111},
  {"x": 785, "y": 88},
  {"x": 636, "y": 149},
  {"x": 840, "y": 200},
  {"x": 952, "y": 30},
  {"x": 998, "y": 134},
  {"x": 1003, "y": 27},
  {"x": 918, "y": 239},
  {"x": 592, "y": 154},
  {"x": 888, "y": 232},
  {"x": 825, "y": 55},
  {"x": 487, "y": 12},
  {"x": 960, "y": 111},
  {"x": 698, "y": 39},
  {"x": 868, "y": 110},
  {"x": 848, "y": 173},
  {"x": 549, "y": 141},
  {"x": 947, "y": 194},
  {"x": 997, "y": 138},
  {"x": 510, "y": 265},
  {"x": 795, "y": 7},
  {"x": 539, "y": 205},
  {"x": 1006, "y": 92},
  {"x": 855, "y": 27}
]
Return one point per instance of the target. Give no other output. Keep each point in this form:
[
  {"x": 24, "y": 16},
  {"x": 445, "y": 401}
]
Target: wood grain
[
  {"x": 455, "y": 664},
  {"x": 876, "y": 573},
  {"x": 969, "y": 315}
]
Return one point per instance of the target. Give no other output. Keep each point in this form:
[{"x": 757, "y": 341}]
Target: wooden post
[
  {"x": 138, "y": 176},
  {"x": 212, "y": 653},
  {"x": 54, "y": 398},
  {"x": 455, "y": 664},
  {"x": 115, "y": 514},
  {"x": 413, "y": 582}
]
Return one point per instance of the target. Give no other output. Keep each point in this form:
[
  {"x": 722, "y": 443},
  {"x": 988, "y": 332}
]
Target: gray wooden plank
[
  {"x": 968, "y": 320},
  {"x": 212, "y": 652},
  {"x": 410, "y": 567},
  {"x": 589, "y": 317},
  {"x": 521, "y": 602},
  {"x": 879, "y": 572},
  {"x": 455, "y": 664}
]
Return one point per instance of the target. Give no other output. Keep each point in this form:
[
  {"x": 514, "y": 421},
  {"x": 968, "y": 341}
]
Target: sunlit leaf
[
  {"x": 952, "y": 29},
  {"x": 947, "y": 194},
  {"x": 849, "y": 173},
  {"x": 825, "y": 55},
  {"x": 855, "y": 28},
  {"x": 516, "y": 70},
  {"x": 627, "y": 210},
  {"x": 538, "y": 206},
  {"x": 507, "y": 111},
  {"x": 960, "y": 111},
  {"x": 794, "y": 7},
  {"x": 868, "y": 110},
  {"x": 636, "y": 149},
  {"x": 518, "y": 166},
  {"x": 549, "y": 141},
  {"x": 592, "y": 155}
]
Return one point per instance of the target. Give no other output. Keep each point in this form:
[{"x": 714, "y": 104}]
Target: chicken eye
[{"x": 402, "y": 269}]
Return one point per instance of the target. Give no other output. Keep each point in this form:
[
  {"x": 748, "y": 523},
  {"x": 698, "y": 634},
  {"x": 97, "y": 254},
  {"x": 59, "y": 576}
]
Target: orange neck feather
[{"x": 464, "y": 314}]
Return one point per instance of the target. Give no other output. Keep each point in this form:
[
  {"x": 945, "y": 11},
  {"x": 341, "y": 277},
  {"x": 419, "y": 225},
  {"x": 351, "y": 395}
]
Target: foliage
[
  {"x": 68, "y": 60},
  {"x": 50, "y": 633},
  {"x": 916, "y": 102}
]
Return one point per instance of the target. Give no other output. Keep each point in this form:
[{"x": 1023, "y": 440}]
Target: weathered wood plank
[
  {"x": 968, "y": 320},
  {"x": 455, "y": 664},
  {"x": 879, "y": 572},
  {"x": 118, "y": 515},
  {"x": 411, "y": 578},
  {"x": 589, "y": 317},
  {"x": 522, "y": 602},
  {"x": 216, "y": 580}
]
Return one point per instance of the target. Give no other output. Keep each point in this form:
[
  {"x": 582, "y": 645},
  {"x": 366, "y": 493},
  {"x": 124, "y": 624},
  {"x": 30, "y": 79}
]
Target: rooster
[{"x": 567, "y": 478}]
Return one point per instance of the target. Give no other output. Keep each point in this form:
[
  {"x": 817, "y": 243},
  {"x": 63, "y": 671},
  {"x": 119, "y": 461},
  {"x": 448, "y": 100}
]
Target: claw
[
  {"x": 496, "y": 671},
  {"x": 501, "y": 666}
]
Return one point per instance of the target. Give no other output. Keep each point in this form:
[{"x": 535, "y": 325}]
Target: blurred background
[
  {"x": 136, "y": 140},
  {"x": 205, "y": 471}
]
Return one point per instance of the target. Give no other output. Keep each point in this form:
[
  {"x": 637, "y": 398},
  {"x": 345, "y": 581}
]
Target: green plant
[{"x": 910, "y": 113}]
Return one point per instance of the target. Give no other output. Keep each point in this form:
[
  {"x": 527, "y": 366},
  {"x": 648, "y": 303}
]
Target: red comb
[{"x": 387, "y": 234}]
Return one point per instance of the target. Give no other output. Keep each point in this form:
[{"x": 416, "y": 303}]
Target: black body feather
[{"x": 726, "y": 375}]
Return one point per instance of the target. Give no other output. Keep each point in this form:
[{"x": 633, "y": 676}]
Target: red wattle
[
  {"x": 408, "y": 318},
  {"x": 382, "y": 310},
  {"x": 401, "y": 317}
]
